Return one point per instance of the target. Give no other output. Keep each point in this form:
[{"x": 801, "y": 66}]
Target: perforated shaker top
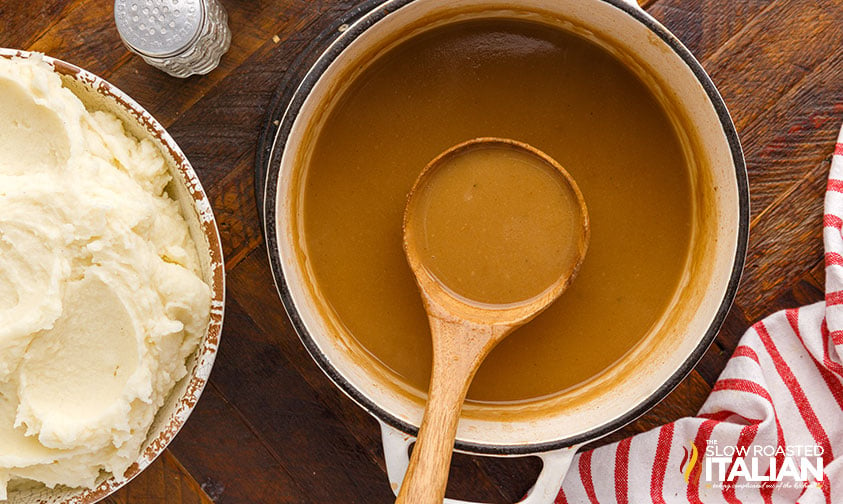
[{"x": 159, "y": 28}]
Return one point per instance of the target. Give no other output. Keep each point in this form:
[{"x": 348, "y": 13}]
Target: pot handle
[{"x": 396, "y": 446}]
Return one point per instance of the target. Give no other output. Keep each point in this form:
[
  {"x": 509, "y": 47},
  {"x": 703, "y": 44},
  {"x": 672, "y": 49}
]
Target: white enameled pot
[{"x": 554, "y": 427}]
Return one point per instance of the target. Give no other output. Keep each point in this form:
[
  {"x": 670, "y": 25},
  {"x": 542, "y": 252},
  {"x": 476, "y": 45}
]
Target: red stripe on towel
[
  {"x": 660, "y": 463},
  {"x": 622, "y": 471},
  {"x": 585, "y": 475}
]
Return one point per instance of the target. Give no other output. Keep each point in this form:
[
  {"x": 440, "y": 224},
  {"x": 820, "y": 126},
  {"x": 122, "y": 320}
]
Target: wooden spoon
[{"x": 463, "y": 334}]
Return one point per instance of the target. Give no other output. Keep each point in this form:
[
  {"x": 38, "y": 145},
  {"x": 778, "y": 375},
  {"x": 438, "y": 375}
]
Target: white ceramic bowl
[
  {"x": 554, "y": 427},
  {"x": 97, "y": 94}
]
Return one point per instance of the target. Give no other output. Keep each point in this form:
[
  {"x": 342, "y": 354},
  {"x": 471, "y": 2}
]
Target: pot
[{"x": 551, "y": 428}]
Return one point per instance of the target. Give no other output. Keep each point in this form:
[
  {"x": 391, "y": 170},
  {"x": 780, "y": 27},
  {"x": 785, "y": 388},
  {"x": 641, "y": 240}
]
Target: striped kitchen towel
[{"x": 772, "y": 426}]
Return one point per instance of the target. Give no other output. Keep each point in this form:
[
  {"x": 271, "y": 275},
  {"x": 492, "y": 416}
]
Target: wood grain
[
  {"x": 163, "y": 481},
  {"x": 220, "y": 448},
  {"x": 285, "y": 412},
  {"x": 271, "y": 427},
  {"x": 20, "y": 27}
]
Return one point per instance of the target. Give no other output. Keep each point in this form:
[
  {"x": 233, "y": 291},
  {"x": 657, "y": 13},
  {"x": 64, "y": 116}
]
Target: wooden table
[{"x": 270, "y": 426}]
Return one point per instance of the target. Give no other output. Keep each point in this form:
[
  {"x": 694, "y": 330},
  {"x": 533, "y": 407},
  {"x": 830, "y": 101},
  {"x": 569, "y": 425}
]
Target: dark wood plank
[
  {"x": 816, "y": 277},
  {"x": 790, "y": 140},
  {"x": 232, "y": 465},
  {"x": 773, "y": 53},
  {"x": 84, "y": 35},
  {"x": 288, "y": 414},
  {"x": 704, "y": 26},
  {"x": 235, "y": 209},
  {"x": 165, "y": 480},
  {"x": 784, "y": 244},
  {"x": 20, "y": 27},
  {"x": 513, "y": 476},
  {"x": 805, "y": 290}
]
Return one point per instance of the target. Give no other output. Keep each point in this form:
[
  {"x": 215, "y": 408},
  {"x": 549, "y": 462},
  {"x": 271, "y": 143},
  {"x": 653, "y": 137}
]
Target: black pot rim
[{"x": 277, "y": 133}]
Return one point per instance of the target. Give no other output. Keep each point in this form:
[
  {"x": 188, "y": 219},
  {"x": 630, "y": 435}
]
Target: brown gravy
[{"x": 529, "y": 82}]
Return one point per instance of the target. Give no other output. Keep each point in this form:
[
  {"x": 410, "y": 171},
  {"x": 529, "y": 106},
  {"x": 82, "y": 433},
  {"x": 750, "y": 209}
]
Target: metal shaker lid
[{"x": 159, "y": 28}]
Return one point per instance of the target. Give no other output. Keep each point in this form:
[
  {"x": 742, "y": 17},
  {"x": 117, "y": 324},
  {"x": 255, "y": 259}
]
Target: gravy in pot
[{"x": 499, "y": 78}]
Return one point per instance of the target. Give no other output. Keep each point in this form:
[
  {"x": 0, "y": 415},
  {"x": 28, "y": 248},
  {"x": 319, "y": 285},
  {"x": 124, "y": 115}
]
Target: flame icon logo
[{"x": 687, "y": 470}]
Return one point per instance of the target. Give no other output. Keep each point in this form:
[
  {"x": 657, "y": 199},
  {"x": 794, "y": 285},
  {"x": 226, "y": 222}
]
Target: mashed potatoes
[{"x": 100, "y": 296}]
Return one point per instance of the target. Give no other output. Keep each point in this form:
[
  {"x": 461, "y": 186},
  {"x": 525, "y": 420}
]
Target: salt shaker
[{"x": 180, "y": 37}]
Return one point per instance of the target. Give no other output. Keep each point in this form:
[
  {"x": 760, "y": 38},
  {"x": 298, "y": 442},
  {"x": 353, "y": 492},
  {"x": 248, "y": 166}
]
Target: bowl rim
[
  {"x": 208, "y": 346},
  {"x": 278, "y": 134}
]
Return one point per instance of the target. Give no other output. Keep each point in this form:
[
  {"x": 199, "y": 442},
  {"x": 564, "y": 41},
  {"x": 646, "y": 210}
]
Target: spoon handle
[{"x": 458, "y": 349}]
